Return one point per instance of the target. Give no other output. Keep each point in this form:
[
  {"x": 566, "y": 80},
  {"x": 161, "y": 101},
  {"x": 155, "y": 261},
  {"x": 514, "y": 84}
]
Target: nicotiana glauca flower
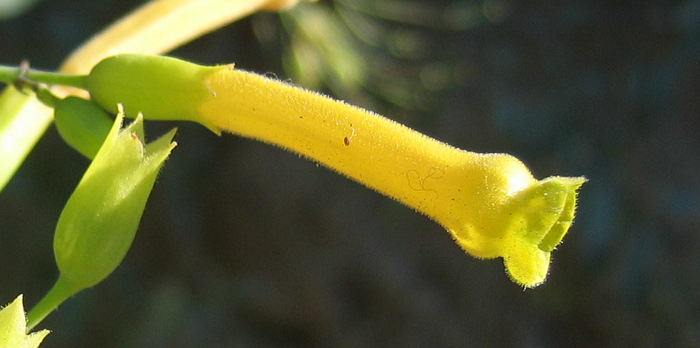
[
  {"x": 100, "y": 219},
  {"x": 490, "y": 203}
]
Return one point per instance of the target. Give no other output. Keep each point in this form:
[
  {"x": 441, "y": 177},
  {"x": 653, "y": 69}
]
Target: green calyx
[
  {"x": 162, "y": 88},
  {"x": 100, "y": 219}
]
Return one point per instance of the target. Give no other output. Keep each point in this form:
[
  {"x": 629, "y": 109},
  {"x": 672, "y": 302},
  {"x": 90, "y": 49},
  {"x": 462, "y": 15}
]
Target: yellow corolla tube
[{"x": 490, "y": 203}]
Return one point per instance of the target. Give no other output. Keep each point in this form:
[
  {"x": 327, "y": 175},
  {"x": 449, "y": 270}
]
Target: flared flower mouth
[{"x": 538, "y": 219}]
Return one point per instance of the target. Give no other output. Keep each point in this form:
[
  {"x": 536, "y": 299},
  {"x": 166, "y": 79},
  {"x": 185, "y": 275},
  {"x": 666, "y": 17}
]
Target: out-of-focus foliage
[
  {"x": 12, "y": 8},
  {"x": 299, "y": 256}
]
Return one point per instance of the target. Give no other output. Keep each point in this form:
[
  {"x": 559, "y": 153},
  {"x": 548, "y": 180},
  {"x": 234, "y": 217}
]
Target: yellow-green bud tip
[{"x": 13, "y": 327}]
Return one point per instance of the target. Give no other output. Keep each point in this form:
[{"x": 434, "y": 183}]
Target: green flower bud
[
  {"x": 82, "y": 124},
  {"x": 162, "y": 88},
  {"x": 100, "y": 219}
]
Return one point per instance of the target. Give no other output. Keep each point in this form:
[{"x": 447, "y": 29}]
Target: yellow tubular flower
[{"x": 490, "y": 203}]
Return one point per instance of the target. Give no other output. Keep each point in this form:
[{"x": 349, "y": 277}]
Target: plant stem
[
  {"x": 10, "y": 74},
  {"x": 61, "y": 291},
  {"x": 52, "y": 78},
  {"x": 157, "y": 27}
]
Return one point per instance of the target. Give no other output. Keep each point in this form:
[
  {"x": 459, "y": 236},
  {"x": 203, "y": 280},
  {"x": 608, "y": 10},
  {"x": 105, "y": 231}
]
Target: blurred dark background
[{"x": 245, "y": 245}]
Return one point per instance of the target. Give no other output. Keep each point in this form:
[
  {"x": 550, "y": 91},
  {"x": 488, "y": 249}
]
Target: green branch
[{"x": 22, "y": 75}]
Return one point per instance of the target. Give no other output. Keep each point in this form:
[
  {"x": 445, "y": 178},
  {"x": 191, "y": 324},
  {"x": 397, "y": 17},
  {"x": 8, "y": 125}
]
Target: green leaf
[{"x": 23, "y": 120}]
